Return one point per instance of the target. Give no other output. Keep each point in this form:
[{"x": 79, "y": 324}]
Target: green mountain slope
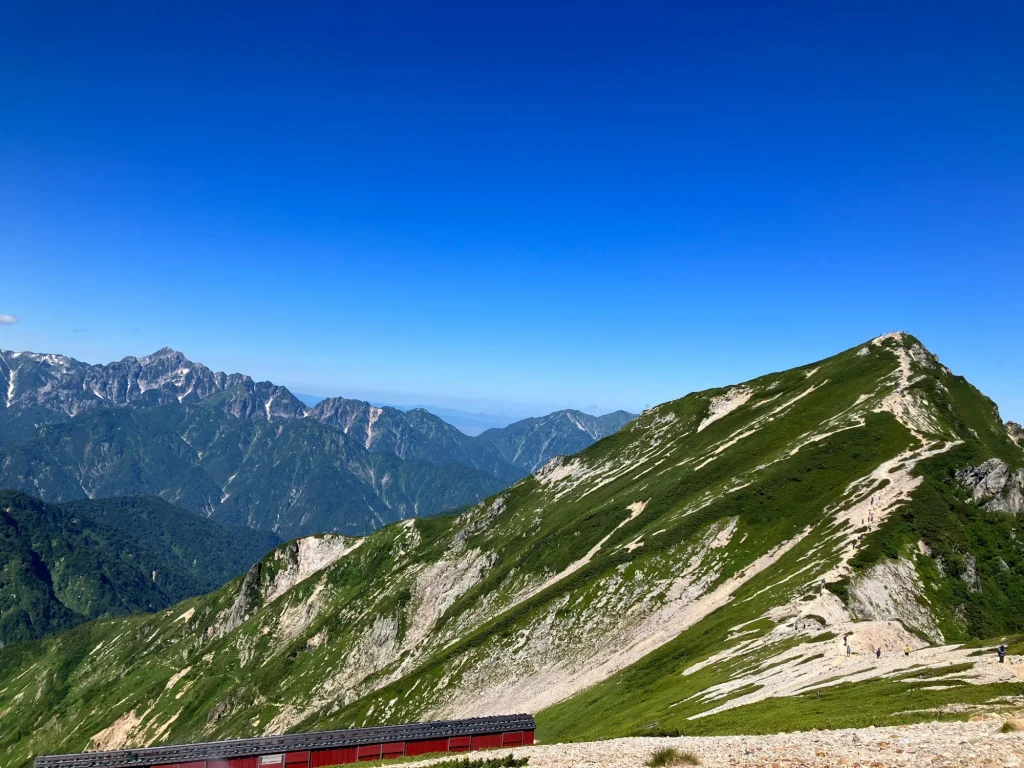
[
  {"x": 210, "y": 553},
  {"x": 63, "y": 565},
  {"x": 698, "y": 569}
]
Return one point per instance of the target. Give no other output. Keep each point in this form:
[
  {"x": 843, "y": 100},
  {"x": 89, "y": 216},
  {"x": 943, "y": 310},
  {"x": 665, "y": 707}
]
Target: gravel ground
[{"x": 933, "y": 745}]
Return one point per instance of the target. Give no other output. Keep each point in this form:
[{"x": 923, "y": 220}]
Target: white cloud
[{"x": 8, "y": 319}]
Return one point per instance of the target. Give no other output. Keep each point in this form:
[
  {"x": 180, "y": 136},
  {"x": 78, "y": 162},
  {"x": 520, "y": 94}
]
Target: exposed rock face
[
  {"x": 185, "y": 414},
  {"x": 890, "y": 591},
  {"x": 994, "y": 486},
  {"x": 725, "y": 404},
  {"x": 970, "y": 576},
  {"x": 225, "y": 446},
  {"x": 293, "y": 563},
  {"x": 247, "y": 601},
  {"x": 54, "y": 387},
  {"x": 1016, "y": 432},
  {"x": 237, "y": 699}
]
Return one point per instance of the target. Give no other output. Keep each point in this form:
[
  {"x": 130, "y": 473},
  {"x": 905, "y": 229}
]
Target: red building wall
[
  {"x": 323, "y": 757},
  {"x": 426, "y": 746},
  {"x": 486, "y": 741},
  {"x": 366, "y": 752}
]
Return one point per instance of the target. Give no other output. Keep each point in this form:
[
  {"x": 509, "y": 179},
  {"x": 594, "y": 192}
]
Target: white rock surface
[{"x": 942, "y": 745}]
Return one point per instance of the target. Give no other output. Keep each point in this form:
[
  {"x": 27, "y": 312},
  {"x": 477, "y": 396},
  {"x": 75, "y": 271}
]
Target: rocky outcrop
[
  {"x": 994, "y": 486},
  {"x": 1016, "y": 432},
  {"x": 237, "y": 699},
  {"x": 892, "y": 591},
  {"x": 280, "y": 571}
]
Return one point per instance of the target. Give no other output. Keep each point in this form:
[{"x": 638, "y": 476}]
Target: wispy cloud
[{"x": 8, "y": 319}]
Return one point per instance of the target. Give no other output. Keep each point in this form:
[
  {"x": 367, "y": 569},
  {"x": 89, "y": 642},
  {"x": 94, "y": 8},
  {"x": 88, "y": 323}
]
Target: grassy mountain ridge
[{"x": 670, "y": 573}]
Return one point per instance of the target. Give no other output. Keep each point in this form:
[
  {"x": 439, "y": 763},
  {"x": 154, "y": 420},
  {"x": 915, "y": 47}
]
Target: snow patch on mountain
[{"x": 11, "y": 385}]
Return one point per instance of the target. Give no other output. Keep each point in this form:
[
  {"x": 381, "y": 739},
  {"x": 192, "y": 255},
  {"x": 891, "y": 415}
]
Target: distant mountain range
[
  {"x": 470, "y": 423},
  {"x": 531, "y": 443},
  {"x": 251, "y": 453}
]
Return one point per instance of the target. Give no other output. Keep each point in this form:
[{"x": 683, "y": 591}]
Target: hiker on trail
[
  {"x": 821, "y": 587},
  {"x": 878, "y": 652},
  {"x": 849, "y": 650},
  {"x": 1002, "y": 653},
  {"x": 906, "y": 650}
]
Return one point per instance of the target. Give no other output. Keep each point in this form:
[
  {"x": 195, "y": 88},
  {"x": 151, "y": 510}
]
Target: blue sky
[{"x": 520, "y": 205}]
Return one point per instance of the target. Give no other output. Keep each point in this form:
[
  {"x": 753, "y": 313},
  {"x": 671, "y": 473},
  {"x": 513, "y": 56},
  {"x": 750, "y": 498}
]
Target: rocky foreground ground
[{"x": 934, "y": 745}]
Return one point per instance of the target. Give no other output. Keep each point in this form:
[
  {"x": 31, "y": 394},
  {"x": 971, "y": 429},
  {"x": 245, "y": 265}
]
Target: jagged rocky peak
[
  {"x": 161, "y": 354},
  {"x": 66, "y": 387},
  {"x": 344, "y": 412},
  {"x": 994, "y": 486}
]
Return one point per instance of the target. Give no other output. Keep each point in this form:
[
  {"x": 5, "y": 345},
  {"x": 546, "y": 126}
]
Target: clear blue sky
[{"x": 555, "y": 204}]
